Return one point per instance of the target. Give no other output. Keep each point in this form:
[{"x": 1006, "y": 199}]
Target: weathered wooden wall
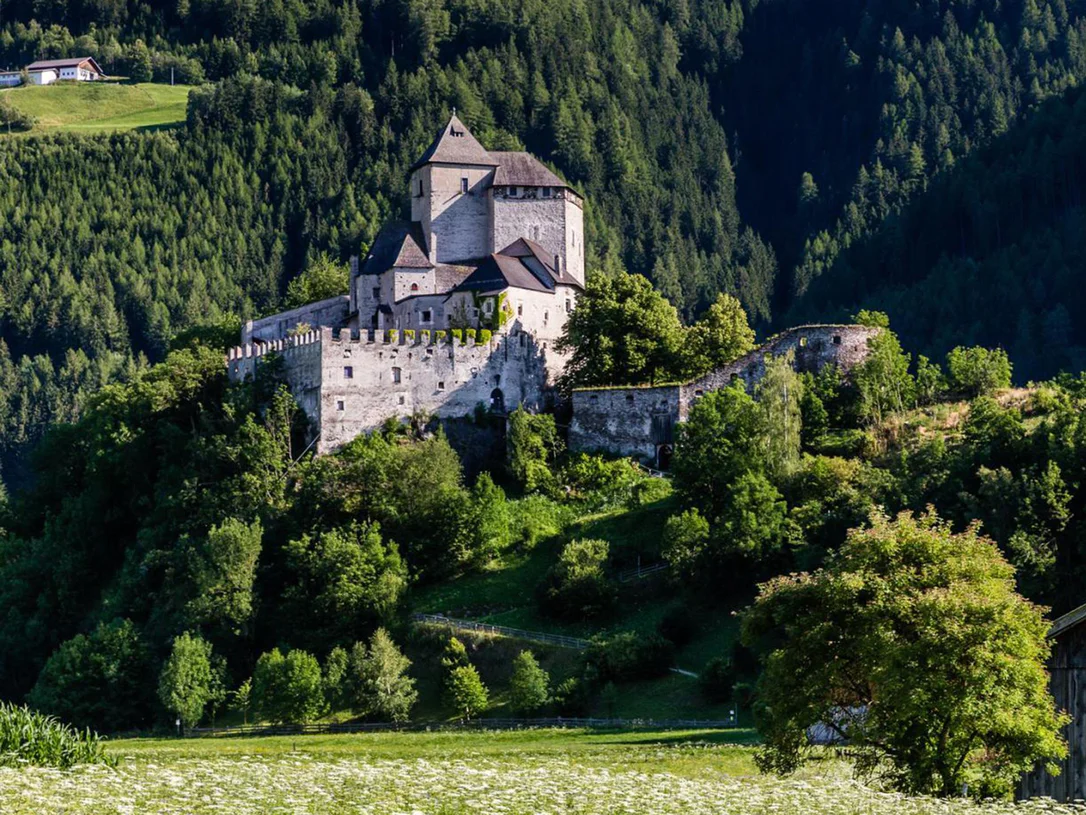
[{"x": 1068, "y": 667}]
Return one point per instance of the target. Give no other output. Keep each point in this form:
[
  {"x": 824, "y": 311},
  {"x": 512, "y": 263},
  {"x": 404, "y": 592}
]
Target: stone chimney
[
  {"x": 433, "y": 248},
  {"x": 558, "y": 265}
]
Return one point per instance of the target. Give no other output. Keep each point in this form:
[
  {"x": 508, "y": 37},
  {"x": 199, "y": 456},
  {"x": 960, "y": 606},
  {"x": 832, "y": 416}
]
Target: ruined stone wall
[
  {"x": 331, "y": 312},
  {"x": 814, "y": 346},
  {"x": 624, "y": 421},
  {"x": 638, "y": 421}
]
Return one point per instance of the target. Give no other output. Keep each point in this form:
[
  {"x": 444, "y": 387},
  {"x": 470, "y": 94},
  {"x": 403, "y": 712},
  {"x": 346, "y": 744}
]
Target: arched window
[{"x": 414, "y": 287}]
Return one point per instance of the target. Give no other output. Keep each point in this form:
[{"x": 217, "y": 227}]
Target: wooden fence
[{"x": 329, "y": 728}]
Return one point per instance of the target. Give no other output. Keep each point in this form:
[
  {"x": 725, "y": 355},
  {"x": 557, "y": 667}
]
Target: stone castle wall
[
  {"x": 638, "y": 421},
  {"x": 350, "y": 383}
]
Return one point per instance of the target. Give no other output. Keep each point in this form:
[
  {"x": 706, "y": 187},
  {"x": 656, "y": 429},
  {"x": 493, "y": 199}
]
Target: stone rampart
[
  {"x": 640, "y": 421},
  {"x": 349, "y": 383}
]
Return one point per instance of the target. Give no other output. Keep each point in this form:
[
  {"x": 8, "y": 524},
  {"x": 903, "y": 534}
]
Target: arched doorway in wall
[
  {"x": 663, "y": 456},
  {"x": 497, "y": 401}
]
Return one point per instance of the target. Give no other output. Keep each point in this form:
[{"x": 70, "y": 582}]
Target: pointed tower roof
[{"x": 454, "y": 144}]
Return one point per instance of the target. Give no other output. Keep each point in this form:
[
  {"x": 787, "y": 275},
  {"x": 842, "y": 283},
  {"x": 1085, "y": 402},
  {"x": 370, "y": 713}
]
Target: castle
[{"x": 460, "y": 307}]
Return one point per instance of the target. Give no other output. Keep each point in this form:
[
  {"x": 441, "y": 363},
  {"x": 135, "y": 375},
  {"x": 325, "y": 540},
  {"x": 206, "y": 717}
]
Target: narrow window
[
  {"x": 348, "y": 372},
  {"x": 376, "y": 293},
  {"x": 569, "y": 306},
  {"x": 520, "y": 309},
  {"x": 401, "y": 400},
  {"x": 513, "y": 191},
  {"x": 547, "y": 191},
  {"x": 488, "y": 307},
  {"x": 463, "y": 185},
  {"x": 395, "y": 376},
  {"x": 427, "y": 316},
  {"x": 339, "y": 405},
  {"x": 837, "y": 340},
  {"x": 546, "y": 315},
  {"x": 441, "y": 386},
  {"x": 629, "y": 397}
]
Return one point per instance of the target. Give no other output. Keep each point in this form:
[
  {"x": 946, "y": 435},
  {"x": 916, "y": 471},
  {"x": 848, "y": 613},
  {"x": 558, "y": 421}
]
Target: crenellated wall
[
  {"x": 349, "y": 383},
  {"x": 639, "y": 421}
]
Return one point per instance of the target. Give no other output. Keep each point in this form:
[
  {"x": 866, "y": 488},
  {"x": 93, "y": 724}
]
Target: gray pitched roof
[
  {"x": 499, "y": 272},
  {"x": 523, "y": 170},
  {"x": 454, "y": 144},
  {"x": 45, "y": 64},
  {"x": 525, "y": 248},
  {"x": 399, "y": 244},
  {"x": 448, "y": 277}
]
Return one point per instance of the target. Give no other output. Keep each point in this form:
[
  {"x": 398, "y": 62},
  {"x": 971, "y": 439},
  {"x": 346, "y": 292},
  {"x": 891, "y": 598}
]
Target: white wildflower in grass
[{"x": 368, "y": 776}]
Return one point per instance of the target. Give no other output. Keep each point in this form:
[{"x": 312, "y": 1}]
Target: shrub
[
  {"x": 536, "y": 518},
  {"x": 978, "y": 371},
  {"x": 30, "y": 737},
  {"x": 648, "y": 491},
  {"x": 392, "y": 335},
  {"x": 680, "y": 625},
  {"x": 409, "y": 335},
  {"x": 529, "y": 687},
  {"x": 440, "y": 336},
  {"x": 458, "y": 335},
  {"x": 572, "y": 697},
  {"x": 717, "y": 679},
  {"x": 470, "y": 334},
  {"x": 466, "y": 692},
  {"x": 288, "y": 689},
  {"x": 576, "y": 586},
  {"x": 629, "y": 655},
  {"x": 484, "y": 336}
]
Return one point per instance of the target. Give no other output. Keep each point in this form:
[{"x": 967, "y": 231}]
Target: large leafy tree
[
  {"x": 913, "y": 643},
  {"x": 720, "y": 335},
  {"x": 622, "y": 332}
]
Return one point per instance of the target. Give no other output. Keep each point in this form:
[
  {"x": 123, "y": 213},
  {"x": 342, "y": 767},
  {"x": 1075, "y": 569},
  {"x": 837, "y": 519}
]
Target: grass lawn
[
  {"x": 95, "y": 107},
  {"x": 519, "y": 773}
]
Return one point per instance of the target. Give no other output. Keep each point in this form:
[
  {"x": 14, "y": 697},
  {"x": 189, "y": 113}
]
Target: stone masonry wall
[
  {"x": 637, "y": 421},
  {"x": 350, "y": 383},
  {"x": 333, "y": 311}
]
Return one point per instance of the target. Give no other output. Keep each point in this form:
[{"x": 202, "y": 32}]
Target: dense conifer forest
[{"x": 758, "y": 147}]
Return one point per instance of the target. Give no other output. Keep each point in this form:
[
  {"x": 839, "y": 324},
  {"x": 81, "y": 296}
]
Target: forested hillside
[{"x": 833, "y": 115}]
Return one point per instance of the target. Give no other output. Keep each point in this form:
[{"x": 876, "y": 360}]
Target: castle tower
[{"x": 449, "y": 186}]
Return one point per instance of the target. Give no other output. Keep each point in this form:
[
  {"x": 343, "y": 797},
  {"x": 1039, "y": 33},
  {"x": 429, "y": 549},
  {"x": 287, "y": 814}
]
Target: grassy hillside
[{"x": 94, "y": 107}]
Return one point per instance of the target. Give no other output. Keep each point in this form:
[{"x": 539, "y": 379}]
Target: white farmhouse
[
  {"x": 78, "y": 69},
  {"x": 9, "y": 79}
]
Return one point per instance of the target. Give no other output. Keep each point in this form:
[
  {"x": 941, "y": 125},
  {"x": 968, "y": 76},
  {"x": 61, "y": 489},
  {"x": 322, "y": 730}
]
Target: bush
[
  {"x": 458, "y": 335},
  {"x": 484, "y": 336},
  {"x": 30, "y": 737},
  {"x": 680, "y": 625},
  {"x": 572, "y": 697},
  {"x": 409, "y": 335},
  {"x": 978, "y": 371},
  {"x": 648, "y": 491},
  {"x": 629, "y": 655},
  {"x": 440, "y": 337},
  {"x": 536, "y": 518},
  {"x": 470, "y": 334},
  {"x": 717, "y": 679},
  {"x": 576, "y": 586},
  {"x": 529, "y": 687},
  {"x": 393, "y": 335},
  {"x": 288, "y": 689}
]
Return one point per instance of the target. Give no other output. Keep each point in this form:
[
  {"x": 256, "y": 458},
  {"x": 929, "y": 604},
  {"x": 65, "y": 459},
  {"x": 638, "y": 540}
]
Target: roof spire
[{"x": 454, "y": 110}]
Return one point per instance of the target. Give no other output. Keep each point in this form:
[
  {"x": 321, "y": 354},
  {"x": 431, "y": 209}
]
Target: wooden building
[{"x": 1068, "y": 669}]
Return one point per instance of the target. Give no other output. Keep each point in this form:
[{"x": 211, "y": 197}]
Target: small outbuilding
[
  {"x": 77, "y": 69},
  {"x": 9, "y": 79},
  {"x": 1068, "y": 669}
]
